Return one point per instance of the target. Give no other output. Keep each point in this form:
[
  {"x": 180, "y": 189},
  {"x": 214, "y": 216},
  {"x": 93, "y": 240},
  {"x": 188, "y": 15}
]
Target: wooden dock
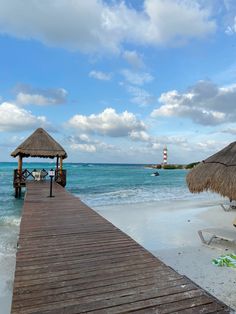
[{"x": 72, "y": 260}]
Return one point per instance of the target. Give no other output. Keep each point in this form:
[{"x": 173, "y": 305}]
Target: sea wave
[
  {"x": 138, "y": 195},
  {"x": 9, "y": 221}
]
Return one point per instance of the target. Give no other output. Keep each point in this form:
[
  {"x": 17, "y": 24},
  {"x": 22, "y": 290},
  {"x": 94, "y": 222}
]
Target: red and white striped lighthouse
[{"x": 165, "y": 155}]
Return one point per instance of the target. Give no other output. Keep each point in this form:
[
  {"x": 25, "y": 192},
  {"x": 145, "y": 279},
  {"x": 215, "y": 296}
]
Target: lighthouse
[{"x": 165, "y": 155}]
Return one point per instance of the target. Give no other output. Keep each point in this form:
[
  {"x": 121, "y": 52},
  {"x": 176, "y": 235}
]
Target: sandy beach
[{"x": 169, "y": 231}]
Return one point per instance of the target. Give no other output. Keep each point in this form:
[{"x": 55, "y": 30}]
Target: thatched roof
[
  {"x": 217, "y": 173},
  {"x": 40, "y": 144}
]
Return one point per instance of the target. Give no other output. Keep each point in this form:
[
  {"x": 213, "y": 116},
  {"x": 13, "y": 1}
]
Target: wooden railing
[
  {"x": 60, "y": 177},
  {"x": 20, "y": 179}
]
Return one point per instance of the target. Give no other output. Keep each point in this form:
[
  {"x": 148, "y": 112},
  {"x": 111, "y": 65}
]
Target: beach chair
[
  {"x": 229, "y": 206},
  {"x": 207, "y": 235},
  {"x": 38, "y": 175}
]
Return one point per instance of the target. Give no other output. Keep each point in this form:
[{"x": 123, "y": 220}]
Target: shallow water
[{"x": 102, "y": 184}]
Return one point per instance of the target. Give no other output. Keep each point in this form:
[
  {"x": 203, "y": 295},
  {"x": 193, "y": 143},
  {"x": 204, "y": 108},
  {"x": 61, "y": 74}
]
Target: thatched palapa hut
[
  {"x": 217, "y": 173},
  {"x": 39, "y": 144}
]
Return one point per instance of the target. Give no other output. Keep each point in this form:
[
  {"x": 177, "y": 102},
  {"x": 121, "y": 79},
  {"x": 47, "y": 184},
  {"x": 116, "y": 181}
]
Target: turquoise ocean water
[{"x": 101, "y": 184}]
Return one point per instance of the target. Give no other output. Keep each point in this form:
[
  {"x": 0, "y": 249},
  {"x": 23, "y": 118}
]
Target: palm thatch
[
  {"x": 40, "y": 144},
  {"x": 217, "y": 174}
]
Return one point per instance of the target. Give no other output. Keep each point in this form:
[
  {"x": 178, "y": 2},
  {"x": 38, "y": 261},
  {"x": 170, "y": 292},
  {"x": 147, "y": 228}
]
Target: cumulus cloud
[
  {"x": 13, "y": 140},
  {"x": 140, "y": 96},
  {"x": 207, "y": 147},
  {"x": 207, "y": 144},
  {"x": 177, "y": 20},
  {"x": 84, "y": 143},
  {"x": 229, "y": 17},
  {"x": 100, "y": 75},
  {"x": 16, "y": 119},
  {"x": 229, "y": 131},
  {"x": 141, "y": 136},
  {"x": 156, "y": 142},
  {"x": 137, "y": 78},
  {"x": 204, "y": 103},
  {"x": 96, "y": 25},
  {"x": 88, "y": 148},
  {"x": 109, "y": 122},
  {"x": 41, "y": 97},
  {"x": 231, "y": 30},
  {"x": 133, "y": 58}
]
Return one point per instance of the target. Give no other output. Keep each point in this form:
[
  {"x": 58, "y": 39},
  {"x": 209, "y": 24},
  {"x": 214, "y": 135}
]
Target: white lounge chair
[
  {"x": 213, "y": 233},
  {"x": 229, "y": 206},
  {"x": 38, "y": 175}
]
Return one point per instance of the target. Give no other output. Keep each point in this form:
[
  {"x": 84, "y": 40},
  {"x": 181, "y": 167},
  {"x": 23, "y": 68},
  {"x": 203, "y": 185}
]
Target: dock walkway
[{"x": 72, "y": 260}]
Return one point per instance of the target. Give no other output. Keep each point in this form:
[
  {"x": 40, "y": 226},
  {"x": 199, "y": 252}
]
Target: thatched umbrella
[
  {"x": 217, "y": 174},
  {"x": 40, "y": 144}
]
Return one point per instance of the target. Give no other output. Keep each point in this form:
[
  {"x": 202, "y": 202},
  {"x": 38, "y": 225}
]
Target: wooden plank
[
  {"x": 106, "y": 285},
  {"x": 72, "y": 260}
]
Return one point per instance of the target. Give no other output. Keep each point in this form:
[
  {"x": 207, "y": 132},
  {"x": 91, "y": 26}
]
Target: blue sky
[{"x": 116, "y": 81}]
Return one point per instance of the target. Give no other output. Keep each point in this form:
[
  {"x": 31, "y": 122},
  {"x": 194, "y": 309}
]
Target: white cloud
[
  {"x": 137, "y": 78},
  {"x": 88, "y": 148},
  {"x": 107, "y": 123},
  {"x": 84, "y": 143},
  {"x": 157, "y": 142},
  {"x": 230, "y": 30},
  {"x": 100, "y": 75},
  {"x": 141, "y": 136},
  {"x": 207, "y": 144},
  {"x": 229, "y": 131},
  {"x": 177, "y": 20},
  {"x": 41, "y": 97},
  {"x": 204, "y": 103},
  {"x": 133, "y": 58},
  {"x": 96, "y": 25},
  {"x": 12, "y": 141},
  {"x": 16, "y": 119},
  {"x": 140, "y": 96},
  {"x": 230, "y": 17},
  {"x": 206, "y": 147}
]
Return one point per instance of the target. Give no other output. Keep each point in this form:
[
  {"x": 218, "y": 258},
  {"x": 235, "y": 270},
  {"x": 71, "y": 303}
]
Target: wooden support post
[
  {"x": 19, "y": 170},
  {"x": 20, "y": 165},
  {"x": 61, "y": 165},
  {"x": 57, "y": 162}
]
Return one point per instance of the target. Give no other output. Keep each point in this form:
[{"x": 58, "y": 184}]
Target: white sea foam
[
  {"x": 8, "y": 239},
  {"x": 10, "y": 221},
  {"x": 141, "y": 195}
]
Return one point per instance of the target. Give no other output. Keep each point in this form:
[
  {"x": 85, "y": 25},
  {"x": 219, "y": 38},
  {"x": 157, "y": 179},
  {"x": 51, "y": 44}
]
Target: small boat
[{"x": 155, "y": 174}]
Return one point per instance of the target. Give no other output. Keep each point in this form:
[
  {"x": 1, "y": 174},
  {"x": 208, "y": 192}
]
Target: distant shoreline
[
  {"x": 152, "y": 166},
  {"x": 172, "y": 166}
]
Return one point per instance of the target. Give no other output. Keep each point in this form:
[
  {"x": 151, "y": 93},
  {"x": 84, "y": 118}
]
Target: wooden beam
[
  {"x": 61, "y": 166},
  {"x": 20, "y": 164},
  {"x": 57, "y": 162}
]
